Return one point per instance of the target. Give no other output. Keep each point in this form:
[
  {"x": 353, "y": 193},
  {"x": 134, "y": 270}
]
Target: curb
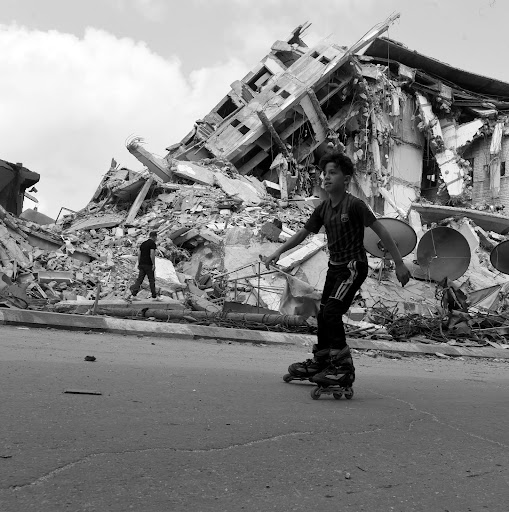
[
  {"x": 64, "y": 321},
  {"x": 71, "y": 322},
  {"x": 44, "y": 319},
  {"x": 423, "y": 348}
]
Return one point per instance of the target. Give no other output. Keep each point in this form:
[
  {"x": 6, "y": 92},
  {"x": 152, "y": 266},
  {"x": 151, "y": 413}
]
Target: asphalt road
[{"x": 202, "y": 426}]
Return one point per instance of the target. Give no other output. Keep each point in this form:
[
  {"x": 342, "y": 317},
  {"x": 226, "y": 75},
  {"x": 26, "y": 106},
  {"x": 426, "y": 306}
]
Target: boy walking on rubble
[
  {"x": 146, "y": 265},
  {"x": 344, "y": 217}
]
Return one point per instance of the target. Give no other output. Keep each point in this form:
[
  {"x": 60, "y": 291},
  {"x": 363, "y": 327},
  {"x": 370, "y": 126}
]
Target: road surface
[{"x": 203, "y": 426}]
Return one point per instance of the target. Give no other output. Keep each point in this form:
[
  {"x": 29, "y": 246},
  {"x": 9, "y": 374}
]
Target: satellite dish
[
  {"x": 499, "y": 257},
  {"x": 443, "y": 252},
  {"x": 402, "y": 233}
]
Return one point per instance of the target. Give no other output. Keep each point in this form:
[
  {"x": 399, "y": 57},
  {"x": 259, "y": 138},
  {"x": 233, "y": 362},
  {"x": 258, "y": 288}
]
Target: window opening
[
  {"x": 260, "y": 79},
  {"x": 227, "y": 108},
  {"x": 287, "y": 58},
  {"x": 471, "y": 168}
]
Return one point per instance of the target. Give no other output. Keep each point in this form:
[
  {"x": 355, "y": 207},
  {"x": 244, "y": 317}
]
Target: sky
[{"x": 78, "y": 78}]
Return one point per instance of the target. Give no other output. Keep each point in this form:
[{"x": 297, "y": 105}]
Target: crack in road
[
  {"x": 435, "y": 419},
  {"x": 91, "y": 456},
  {"x": 70, "y": 465}
]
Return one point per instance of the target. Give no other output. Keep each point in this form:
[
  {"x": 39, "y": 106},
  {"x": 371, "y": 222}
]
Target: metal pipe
[{"x": 168, "y": 315}]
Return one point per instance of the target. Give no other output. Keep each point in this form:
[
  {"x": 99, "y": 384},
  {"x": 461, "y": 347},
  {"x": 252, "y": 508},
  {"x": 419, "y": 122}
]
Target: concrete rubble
[{"x": 429, "y": 142}]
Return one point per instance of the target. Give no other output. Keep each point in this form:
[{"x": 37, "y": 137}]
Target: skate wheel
[
  {"x": 337, "y": 396},
  {"x": 349, "y": 394},
  {"x": 287, "y": 377},
  {"x": 315, "y": 393}
]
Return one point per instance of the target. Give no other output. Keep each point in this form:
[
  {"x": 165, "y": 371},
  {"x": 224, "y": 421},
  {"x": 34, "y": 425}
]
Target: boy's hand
[
  {"x": 270, "y": 260},
  {"x": 402, "y": 273}
]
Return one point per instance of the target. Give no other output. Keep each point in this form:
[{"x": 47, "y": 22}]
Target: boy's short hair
[
  {"x": 340, "y": 159},
  {"x": 152, "y": 234}
]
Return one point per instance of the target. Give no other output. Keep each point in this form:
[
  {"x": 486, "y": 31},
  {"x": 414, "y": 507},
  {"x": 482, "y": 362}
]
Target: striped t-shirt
[{"x": 344, "y": 225}]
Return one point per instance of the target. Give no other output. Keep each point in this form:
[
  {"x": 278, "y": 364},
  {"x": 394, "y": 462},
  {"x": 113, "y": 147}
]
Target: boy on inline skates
[{"x": 344, "y": 218}]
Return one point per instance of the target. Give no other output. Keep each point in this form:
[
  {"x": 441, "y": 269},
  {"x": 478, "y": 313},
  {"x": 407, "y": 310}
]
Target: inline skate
[{"x": 337, "y": 378}]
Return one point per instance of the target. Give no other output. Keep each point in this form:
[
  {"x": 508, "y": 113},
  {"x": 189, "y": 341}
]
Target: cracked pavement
[{"x": 205, "y": 426}]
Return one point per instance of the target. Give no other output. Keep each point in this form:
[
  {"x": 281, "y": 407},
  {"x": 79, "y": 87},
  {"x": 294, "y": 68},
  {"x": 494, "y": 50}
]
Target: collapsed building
[
  {"x": 14, "y": 182},
  {"x": 415, "y": 127},
  {"x": 429, "y": 142}
]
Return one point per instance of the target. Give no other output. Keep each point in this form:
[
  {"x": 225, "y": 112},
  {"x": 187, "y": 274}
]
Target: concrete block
[{"x": 58, "y": 276}]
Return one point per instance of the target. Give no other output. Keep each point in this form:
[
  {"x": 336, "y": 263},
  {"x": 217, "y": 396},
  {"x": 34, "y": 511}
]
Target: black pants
[
  {"x": 145, "y": 270},
  {"x": 341, "y": 285}
]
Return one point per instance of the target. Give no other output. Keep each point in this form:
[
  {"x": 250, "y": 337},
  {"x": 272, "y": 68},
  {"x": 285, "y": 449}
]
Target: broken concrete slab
[
  {"x": 12, "y": 246},
  {"x": 272, "y": 188},
  {"x": 58, "y": 276},
  {"x": 156, "y": 165},
  {"x": 302, "y": 253},
  {"x": 270, "y": 231},
  {"x": 451, "y": 173},
  {"x": 187, "y": 236},
  {"x": 165, "y": 270},
  {"x": 207, "y": 234},
  {"x": 254, "y": 183},
  {"x": 489, "y": 221},
  {"x": 194, "y": 172},
  {"x": 239, "y": 189},
  {"x": 138, "y": 201},
  {"x": 458, "y": 136},
  {"x": 96, "y": 222},
  {"x": 52, "y": 243}
]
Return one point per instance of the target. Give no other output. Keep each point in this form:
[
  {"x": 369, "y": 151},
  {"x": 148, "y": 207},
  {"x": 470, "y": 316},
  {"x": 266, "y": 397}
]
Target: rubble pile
[
  {"x": 454, "y": 328},
  {"x": 429, "y": 142},
  {"x": 92, "y": 254},
  {"x": 66, "y": 277}
]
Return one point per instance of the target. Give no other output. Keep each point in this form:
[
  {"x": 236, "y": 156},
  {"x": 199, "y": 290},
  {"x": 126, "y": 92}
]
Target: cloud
[
  {"x": 152, "y": 10},
  {"x": 68, "y": 104},
  {"x": 252, "y": 34}
]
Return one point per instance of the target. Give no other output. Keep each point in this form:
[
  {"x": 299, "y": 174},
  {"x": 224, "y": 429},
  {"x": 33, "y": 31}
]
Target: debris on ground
[
  {"x": 82, "y": 392},
  {"x": 429, "y": 143}
]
